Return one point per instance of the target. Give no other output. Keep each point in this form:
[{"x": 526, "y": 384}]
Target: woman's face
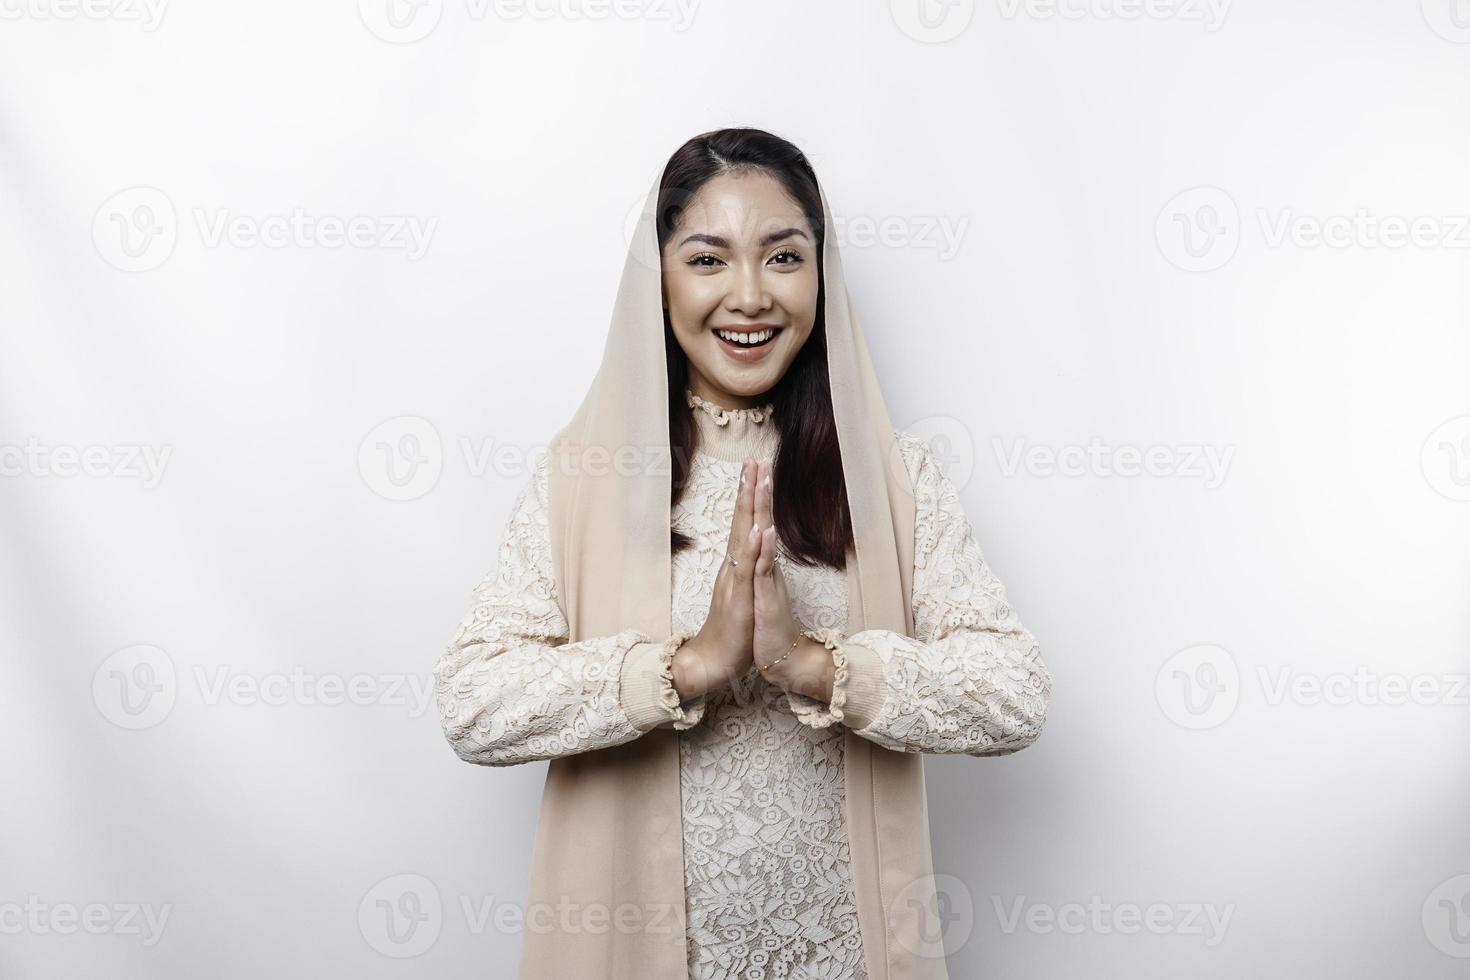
[{"x": 742, "y": 261}]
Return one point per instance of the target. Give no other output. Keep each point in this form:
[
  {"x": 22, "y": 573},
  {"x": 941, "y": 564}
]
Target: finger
[
  {"x": 770, "y": 589},
  {"x": 777, "y": 578},
  {"x": 766, "y": 557},
  {"x": 741, "y": 521},
  {"x": 722, "y": 576},
  {"x": 764, "y": 486},
  {"x": 744, "y": 503},
  {"x": 774, "y": 576},
  {"x": 761, "y": 594},
  {"x": 753, "y": 541},
  {"x": 765, "y": 514},
  {"x": 747, "y": 555}
]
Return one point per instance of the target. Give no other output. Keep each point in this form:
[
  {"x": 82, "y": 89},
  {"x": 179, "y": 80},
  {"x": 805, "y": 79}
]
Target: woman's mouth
[{"x": 747, "y": 345}]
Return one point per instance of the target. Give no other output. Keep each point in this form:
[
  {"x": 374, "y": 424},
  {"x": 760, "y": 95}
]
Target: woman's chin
[{"x": 746, "y": 380}]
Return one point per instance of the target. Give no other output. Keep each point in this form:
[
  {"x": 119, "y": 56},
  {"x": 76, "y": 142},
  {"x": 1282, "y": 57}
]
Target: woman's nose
[{"x": 747, "y": 293}]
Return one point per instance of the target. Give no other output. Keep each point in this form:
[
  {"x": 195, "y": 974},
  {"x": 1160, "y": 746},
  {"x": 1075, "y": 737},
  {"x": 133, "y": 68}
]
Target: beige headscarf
[{"x": 610, "y": 830}]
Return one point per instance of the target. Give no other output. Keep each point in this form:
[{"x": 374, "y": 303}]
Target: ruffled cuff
[
  {"x": 858, "y": 686},
  {"x": 648, "y": 695}
]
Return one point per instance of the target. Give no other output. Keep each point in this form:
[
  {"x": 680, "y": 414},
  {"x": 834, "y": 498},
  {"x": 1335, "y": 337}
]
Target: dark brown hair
[{"x": 809, "y": 505}]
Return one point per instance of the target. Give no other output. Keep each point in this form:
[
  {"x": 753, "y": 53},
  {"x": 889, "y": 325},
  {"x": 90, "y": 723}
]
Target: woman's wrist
[
  {"x": 696, "y": 671},
  {"x": 809, "y": 670},
  {"x": 685, "y": 667}
]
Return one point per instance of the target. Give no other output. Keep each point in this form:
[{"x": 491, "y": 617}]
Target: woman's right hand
[{"x": 722, "y": 649}]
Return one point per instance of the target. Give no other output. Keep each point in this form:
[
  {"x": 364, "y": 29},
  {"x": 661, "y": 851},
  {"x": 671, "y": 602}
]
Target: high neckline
[{"x": 733, "y": 434}]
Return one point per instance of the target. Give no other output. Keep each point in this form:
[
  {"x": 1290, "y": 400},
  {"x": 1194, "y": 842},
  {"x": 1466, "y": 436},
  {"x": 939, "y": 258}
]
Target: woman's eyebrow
[{"x": 718, "y": 242}]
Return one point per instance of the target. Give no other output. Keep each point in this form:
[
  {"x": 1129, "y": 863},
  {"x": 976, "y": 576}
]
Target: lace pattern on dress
[
  {"x": 972, "y": 679},
  {"x": 510, "y": 688},
  {"x": 767, "y": 862}
]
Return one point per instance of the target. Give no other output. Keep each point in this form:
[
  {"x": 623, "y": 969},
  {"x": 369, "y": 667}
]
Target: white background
[{"x": 1133, "y": 193}]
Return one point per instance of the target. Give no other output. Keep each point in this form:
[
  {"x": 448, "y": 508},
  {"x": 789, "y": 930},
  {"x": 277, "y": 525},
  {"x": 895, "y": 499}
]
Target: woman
[{"x": 732, "y": 607}]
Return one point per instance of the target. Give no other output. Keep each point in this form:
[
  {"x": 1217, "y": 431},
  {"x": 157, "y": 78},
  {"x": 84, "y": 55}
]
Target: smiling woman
[{"x": 734, "y": 668}]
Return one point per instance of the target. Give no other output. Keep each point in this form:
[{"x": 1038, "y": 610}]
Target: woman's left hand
[{"x": 808, "y": 668}]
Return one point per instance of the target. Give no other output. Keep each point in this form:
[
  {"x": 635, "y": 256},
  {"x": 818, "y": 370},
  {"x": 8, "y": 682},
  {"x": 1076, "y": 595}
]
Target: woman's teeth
[{"x": 748, "y": 339}]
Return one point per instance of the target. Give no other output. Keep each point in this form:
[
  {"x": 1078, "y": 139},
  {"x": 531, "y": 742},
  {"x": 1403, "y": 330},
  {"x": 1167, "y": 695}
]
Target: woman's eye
[{"x": 705, "y": 260}]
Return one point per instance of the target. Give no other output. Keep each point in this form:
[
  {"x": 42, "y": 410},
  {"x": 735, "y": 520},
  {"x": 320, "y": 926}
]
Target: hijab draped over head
[{"x": 610, "y": 470}]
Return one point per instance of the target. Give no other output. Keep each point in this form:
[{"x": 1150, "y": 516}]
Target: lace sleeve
[
  {"x": 511, "y": 689},
  {"x": 971, "y": 680}
]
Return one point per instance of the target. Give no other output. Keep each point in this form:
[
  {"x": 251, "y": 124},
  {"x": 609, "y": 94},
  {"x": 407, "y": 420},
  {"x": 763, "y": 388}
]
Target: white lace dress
[{"x": 769, "y": 894}]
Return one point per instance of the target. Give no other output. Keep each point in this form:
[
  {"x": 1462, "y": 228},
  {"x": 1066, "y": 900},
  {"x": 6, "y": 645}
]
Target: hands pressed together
[{"x": 750, "y": 620}]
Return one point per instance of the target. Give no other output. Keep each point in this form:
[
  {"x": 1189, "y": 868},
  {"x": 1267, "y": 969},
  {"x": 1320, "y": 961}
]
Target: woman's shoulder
[
  {"x": 918, "y": 457},
  {"x": 929, "y": 461},
  {"x": 535, "y": 476}
]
